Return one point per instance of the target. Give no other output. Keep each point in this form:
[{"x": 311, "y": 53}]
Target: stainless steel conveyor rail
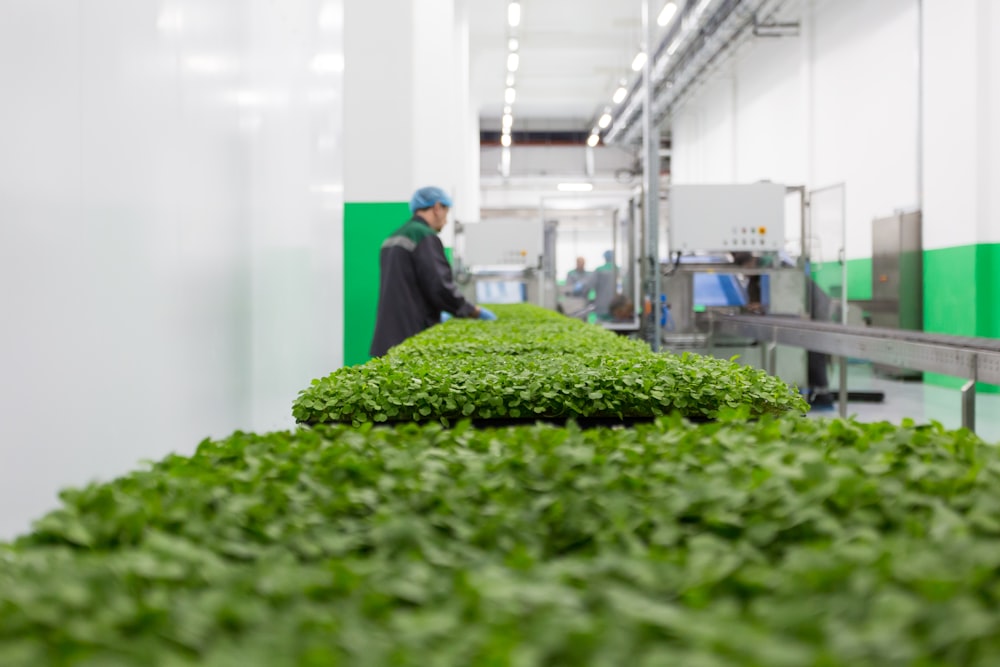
[{"x": 975, "y": 359}]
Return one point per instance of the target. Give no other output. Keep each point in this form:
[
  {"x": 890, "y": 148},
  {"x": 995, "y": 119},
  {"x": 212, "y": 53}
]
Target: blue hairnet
[
  {"x": 427, "y": 197},
  {"x": 609, "y": 255}
]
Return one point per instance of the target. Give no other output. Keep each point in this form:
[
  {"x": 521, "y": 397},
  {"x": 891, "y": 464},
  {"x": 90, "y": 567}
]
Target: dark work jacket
[{"x": 416, "y": 285}]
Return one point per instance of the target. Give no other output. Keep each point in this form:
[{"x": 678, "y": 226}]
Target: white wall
[
  {"x": 836, "y": 104},
  {"x": 703, "y": 134},
  {"x": 962, "y": 111},
  {"x": 170, "y": 224},
  {"x": 769, "y": 124},
  {"x": 467, "y": 188},
  {"x": 408, "y": 105},
  {"x": 380, "y": 147}
]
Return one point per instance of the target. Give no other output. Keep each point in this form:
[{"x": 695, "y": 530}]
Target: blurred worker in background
[
  {"x": 605, "y": 282},
  {"x": 578, "y": 281},
  {"x": 416, "y": 283}
]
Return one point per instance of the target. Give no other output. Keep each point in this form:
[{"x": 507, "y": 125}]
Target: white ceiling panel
[{"x": 573, "y": 53}]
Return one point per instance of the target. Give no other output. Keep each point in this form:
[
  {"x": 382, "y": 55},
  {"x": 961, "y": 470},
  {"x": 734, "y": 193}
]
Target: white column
[{"x": 406, "y": 105}]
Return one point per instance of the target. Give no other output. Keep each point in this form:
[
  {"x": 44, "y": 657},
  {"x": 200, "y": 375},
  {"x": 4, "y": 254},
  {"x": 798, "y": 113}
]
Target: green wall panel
[
  {"x": 960, "y": 297},
  {"x": 988, "y": 289},
  {"x": 859, "y": 278},
  {"x": 961, "y": 294},
  {"x": 366, "y": 225},
  {"x": 950, "y": 291}
]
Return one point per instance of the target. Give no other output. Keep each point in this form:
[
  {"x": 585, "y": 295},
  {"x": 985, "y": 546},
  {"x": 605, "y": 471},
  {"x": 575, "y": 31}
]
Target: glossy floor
[{"x": 917, "y": 400}]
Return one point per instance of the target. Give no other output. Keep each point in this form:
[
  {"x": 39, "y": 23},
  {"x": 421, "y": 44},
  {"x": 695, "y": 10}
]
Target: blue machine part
[
  {"x": 501, "y": 291},
  {"x": 718, "y": 289}
]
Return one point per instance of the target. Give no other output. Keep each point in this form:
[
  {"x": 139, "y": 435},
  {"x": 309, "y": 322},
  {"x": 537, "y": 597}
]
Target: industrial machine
[
  {"x": 727, "y": 252},
  {"x": 502, "y": 261},
  {"x": 897, "y": 280},
  {"x": 724, "y": 218},
  {"x": 609, "y": 293},
  {"x": 514, "y": 259}
]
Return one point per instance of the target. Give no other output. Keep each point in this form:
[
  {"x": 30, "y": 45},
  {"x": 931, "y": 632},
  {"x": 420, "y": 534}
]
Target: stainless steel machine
[
  {"x": 514, "y": 259},
  {"x": 897, "y": 280},
  {"x": 727, "y": 252},
  {"x": 503, "y": 261}
]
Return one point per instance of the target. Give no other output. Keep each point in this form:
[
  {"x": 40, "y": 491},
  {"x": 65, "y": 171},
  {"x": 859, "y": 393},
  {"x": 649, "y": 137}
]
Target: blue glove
[
  {"x": 445, "y": 316},
  {"x": 486, "y": 314}
]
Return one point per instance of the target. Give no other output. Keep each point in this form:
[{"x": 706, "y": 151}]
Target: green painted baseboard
[
  {"x": 961, "y": 289},
  {"x": 366, "y": 225},
  {"x": 961, "y": 294},
  {"x": 859, "y": 278}
]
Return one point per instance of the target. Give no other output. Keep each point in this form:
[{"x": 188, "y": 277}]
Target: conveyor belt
[{"x": 974, "y": 359}]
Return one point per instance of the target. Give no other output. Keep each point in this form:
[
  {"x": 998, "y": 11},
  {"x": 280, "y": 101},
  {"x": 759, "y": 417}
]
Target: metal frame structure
[{"x": 975, "y": 359}]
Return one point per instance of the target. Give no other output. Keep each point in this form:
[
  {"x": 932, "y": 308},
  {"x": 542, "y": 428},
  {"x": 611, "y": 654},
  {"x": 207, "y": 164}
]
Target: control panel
[
  {"x": 502, "y": 243},
  {"x": 727, "y": 218}
]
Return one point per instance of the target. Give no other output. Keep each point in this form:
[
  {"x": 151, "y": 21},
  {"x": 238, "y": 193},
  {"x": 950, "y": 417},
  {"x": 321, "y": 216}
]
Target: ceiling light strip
[{"x": 513, "y": 62}]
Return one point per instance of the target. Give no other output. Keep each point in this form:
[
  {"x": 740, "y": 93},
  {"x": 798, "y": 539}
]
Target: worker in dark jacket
[{"x": 416, "y": 280}]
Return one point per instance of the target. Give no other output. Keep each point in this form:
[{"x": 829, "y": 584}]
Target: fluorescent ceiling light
[
  {"x": 604, "y": 121},
  {"x": 507, "y": 109},
  {"x": 673, "y": 46},
  {"x": 508, "y": 120},
  {"x": 666, "y": 14},
  {"x": 512, "y": 44},
  {"x": 505, "y": 141},
  {"x": 620, "y": 95},
  {"x": 510, "y": 79},
  {"x": 639, "y": 61},
  {"x": 513, "y": 60},
  {"x": 509, "y": 95},
  {"x": 593, "y": 140},
  {"x": 575, "y": 187},
  {"x": 514, "y": 14}
]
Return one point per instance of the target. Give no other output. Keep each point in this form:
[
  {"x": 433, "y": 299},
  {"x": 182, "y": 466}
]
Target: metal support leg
[
  {"x": 770, "y": 357},
  {"x": 842, "y": 392},
  {"x": 969, "y": 405}
]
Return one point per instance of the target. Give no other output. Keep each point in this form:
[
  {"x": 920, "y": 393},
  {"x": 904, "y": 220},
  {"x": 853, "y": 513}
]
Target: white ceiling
[{"x": 573, "y": 53}]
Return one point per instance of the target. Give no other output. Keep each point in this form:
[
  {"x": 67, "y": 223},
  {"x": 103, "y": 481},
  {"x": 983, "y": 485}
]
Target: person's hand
[
  {"x": 445, "y": 316},
  {"x": 486, "y": 314}
]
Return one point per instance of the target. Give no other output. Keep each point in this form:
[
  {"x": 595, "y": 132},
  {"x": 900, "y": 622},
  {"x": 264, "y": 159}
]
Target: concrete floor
[{"x": 921, "y": 402}]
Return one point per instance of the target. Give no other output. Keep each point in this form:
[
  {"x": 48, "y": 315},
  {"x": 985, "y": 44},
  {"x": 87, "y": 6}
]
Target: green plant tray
[{"x": 502, "y": 422}]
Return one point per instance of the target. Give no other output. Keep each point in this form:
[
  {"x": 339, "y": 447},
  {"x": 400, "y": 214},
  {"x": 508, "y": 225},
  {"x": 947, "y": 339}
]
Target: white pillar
[{"x": 405, "y": 126}]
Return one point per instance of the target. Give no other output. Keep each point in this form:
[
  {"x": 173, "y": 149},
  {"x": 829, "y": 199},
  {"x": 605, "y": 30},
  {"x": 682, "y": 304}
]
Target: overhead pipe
[
  {"x": 686, "y": 29},
  {"x": 711, "y": 46},
  {"x": 683, "y": 34},
  {"x": 700, "y": 44}
]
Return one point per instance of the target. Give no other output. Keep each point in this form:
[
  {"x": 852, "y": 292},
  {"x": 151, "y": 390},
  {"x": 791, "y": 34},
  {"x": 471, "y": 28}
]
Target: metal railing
[{"x": 974, "y": 359}]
